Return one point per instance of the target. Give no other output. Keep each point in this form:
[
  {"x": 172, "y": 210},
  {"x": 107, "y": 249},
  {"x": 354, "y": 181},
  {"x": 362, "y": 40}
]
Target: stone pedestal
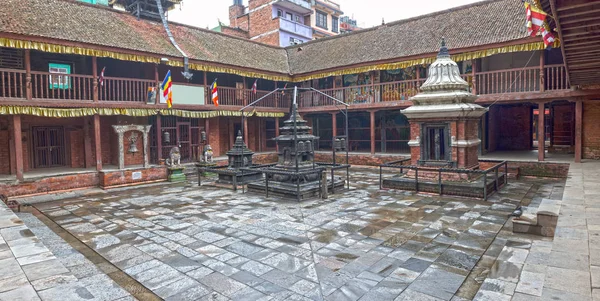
[{"x": 176, "y": 174}]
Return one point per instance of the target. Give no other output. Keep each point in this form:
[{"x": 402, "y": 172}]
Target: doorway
[{"x": 48, "y": 147}]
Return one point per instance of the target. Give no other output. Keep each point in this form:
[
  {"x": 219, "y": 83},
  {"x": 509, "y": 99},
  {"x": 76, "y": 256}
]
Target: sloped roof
[
  {"x": 481, "y": 23},
  {"x": 80, "y": 22}
]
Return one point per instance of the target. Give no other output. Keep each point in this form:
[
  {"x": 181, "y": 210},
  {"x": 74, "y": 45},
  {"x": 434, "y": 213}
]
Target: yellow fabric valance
[
  {"x": 54, "y": 48},
  {"x": 81, "y": 112}
]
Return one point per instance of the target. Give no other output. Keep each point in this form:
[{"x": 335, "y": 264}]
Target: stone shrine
[
  {"x": 296, "y": 174},
  {"x": 444, "y": 120}
]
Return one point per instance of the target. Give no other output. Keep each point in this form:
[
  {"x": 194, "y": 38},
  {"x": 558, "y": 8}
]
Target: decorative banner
[{"x": 80, "y": 112}]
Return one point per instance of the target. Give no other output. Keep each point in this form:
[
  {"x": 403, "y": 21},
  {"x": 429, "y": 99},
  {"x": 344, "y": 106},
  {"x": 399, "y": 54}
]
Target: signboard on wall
[{"x": 187, "y": 95}]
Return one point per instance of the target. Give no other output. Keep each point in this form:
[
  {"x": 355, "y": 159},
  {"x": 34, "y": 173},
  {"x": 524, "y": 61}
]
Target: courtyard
[{"x": 184, "y": 242}]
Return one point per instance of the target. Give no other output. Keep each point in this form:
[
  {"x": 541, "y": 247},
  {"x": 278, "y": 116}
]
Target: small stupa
[
  {"x": 296, "y": 175},
  {"x": 240, "y": 156}
]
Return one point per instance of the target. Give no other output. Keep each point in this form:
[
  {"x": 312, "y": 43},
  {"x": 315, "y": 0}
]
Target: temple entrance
[
  {"x": 48, "y": 147},
  {"x": 182, "y": 132}
]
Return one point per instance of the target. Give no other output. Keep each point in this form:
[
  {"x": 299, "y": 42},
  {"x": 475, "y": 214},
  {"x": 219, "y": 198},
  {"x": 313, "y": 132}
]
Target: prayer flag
[
  {"x": 166, "y": 87},
  {"x": 215, "y": 93}
]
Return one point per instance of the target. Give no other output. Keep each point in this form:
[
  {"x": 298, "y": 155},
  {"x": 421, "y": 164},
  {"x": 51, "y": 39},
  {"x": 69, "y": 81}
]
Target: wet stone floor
[{"x": 189, "y": 243}]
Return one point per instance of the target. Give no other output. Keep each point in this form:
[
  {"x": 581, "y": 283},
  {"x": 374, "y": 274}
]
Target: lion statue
[
  {"x": 174, "y": 157},
  {"x": 208, "y": 153}
]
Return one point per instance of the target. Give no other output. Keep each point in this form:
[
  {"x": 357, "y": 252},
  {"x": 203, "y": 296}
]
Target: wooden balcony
[
  {"x": 521, "y": 80},
  {"x": 519, "y": 84}
]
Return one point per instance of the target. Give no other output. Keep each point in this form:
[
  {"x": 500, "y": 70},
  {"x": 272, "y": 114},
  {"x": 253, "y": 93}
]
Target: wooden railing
[
  {"x": 125, "y": 89},
  {"x": 45, "y": 85},
  {"x": 75, "y": 87},
  {"x": 12, "y": 83}
]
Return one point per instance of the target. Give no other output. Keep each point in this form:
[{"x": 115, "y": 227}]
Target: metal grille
[
  {"x": 183, "y": 132},
  {"x": 48, "y": 147}
]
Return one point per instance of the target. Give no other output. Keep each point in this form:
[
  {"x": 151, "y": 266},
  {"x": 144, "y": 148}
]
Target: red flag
[
  {"x": 536, "y": 24},
  {"x": 101, "y": 79},
  {"x": 254, "y": 87},
  {"x": 283, "y": 91}
]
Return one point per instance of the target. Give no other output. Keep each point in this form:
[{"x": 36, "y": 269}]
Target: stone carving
[
  {"x": 174, "y": 157},
  {"x": 208, "y": 153}
]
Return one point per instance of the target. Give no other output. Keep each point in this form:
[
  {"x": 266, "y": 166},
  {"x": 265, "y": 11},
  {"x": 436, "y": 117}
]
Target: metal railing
[{"x": 482, "y": 173}]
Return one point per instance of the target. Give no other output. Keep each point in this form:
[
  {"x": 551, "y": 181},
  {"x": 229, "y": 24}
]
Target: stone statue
[
  {"x": 174, "y": 157},
  {"x": 208, "y": 153}
]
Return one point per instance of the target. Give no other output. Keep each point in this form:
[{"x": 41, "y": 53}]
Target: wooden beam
[
  {"x": 334, "y": 124},
  {"x": 87, "y": 142},
  {"x": 159, "y": 134},
  {"x": 574, "y": 14},
  {"x": 576, "y": 20},
  {"x": 574, "y": 4},
  {"x": 578, "y": 130},
  {"x": 587, "y": 33},
  {"x": 18, "y": 146},
  {"x": 98, "y": 141},
  {"x": 560, "y": 37},
  {"x": 581, "y": 25},
  {"x": 590, "y": 43}
]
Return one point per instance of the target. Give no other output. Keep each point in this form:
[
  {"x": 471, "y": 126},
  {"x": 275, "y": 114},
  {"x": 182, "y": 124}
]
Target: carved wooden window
[{"x": 59, "y": 78}]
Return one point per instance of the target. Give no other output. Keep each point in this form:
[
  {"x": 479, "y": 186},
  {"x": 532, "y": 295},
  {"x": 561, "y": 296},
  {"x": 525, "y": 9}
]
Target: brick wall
[
  {"x": 50, "y": 184},
  {"x": 76, "y": 148},
  {"x": 133, "y": 158},
  {"x": 235, "y": 11},
  {"x": 261, "y": 21},
  {"x": 126, "y": 177},
  {"x": 4, "y": 152},
  {"x": 591, "y": 130},
  {"x": 235, "y": 32}
]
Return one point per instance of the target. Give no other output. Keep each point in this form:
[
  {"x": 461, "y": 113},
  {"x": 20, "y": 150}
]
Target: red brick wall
[
  {"x": 270, "y": 39},
  {"x": 77, "y": 148},
  {"x": 4, "y": 152},
  {"x": 591, "y": 130},
  {"x": 125, "y": 177},
  {"x": 49, "y": 184},
  {"x": 235, "y": 11},
  {"x": 514, "y": 128},
  {"x": 133, "y": 158},
  {"x": 261, "y": 21}
]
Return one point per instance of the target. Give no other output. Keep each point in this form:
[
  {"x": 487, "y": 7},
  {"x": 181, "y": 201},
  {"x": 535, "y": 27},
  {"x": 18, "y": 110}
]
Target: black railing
[{"x": 440, "y": 190}]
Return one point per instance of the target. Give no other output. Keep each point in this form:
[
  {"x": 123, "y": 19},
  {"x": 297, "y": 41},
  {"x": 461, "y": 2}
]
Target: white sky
[{"x": 204, "y": 13}]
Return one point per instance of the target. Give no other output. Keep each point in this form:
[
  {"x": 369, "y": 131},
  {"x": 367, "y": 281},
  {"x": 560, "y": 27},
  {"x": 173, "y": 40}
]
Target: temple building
[{"x": 65, "y": 83}]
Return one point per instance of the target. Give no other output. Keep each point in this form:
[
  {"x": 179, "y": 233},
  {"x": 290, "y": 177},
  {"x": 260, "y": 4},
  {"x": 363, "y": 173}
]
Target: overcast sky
[{"x": 204, "y": 13}]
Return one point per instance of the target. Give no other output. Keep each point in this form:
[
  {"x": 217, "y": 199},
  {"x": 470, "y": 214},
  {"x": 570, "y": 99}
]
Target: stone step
[{"x": 538, "y": 221}]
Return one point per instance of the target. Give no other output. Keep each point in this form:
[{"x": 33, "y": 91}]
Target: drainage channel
[{"x": 136, "y": 289}]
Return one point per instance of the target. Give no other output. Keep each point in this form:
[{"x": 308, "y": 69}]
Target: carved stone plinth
[{"x": 176, "y": 174}]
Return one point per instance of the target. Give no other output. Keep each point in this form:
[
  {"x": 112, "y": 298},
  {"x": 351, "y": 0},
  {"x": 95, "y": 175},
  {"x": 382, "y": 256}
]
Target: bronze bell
[
  {"x": 203, "y": 136},
  {"x": 166, "y": 137},
  {"x": 338, "y": 144},
  {"x": 133, "y": 143}
]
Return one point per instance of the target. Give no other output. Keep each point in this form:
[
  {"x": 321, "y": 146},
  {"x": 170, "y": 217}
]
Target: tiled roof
[
  {"x": 488, "y": 22},
  {"x": 481, "y": 23},
  {"x": 78, "y": 22}
]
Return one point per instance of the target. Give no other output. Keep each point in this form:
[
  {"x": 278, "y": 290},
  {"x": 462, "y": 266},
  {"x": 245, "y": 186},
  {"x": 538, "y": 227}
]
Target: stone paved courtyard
[{"x": 189, "y": 243}]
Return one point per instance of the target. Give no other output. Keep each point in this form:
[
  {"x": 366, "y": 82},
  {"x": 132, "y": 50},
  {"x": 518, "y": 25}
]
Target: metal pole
[
  {"x": 440, "y": 181},
  {"x": 294, "y": 112},
  {"x": 256, "y": 101},
  {"x": 199, "y": 176},
  {"x": 505, "y": 172},
  {"x": 380, "y": 175},
  {"x": 416, "y": 180},
  {"x": 297, "y": 187},
  {"x": 332, "y": 181},
  {"x": 267, "y": 183},
  {"x": 235, "y": 177},
  {"x": 485, "y": 186}
]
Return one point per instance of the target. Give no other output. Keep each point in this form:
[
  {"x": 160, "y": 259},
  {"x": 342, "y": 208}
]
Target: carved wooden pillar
[
  {"x": 98, "y": 142},
  {"x": 157, "y": 81},
  {"x": 87, "y": 142},
  {"x": 246, "y": 131},
  {"x": 29, "y": 92},
  {"x": 372, "y": 115},
  {"x": 542, "y": 81},
  {"x": 541, "y": 132},
  {"x": 207, "y": 130},
  {"x": 95, "y": 78},
  {"x": 578, "y": 131},
  {"x": 334, "y": 124},
  {"x": 18, "y": 146}
]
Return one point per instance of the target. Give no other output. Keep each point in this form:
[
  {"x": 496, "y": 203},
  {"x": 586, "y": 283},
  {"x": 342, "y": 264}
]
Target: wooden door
[{"x": 48, "y": 147}]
